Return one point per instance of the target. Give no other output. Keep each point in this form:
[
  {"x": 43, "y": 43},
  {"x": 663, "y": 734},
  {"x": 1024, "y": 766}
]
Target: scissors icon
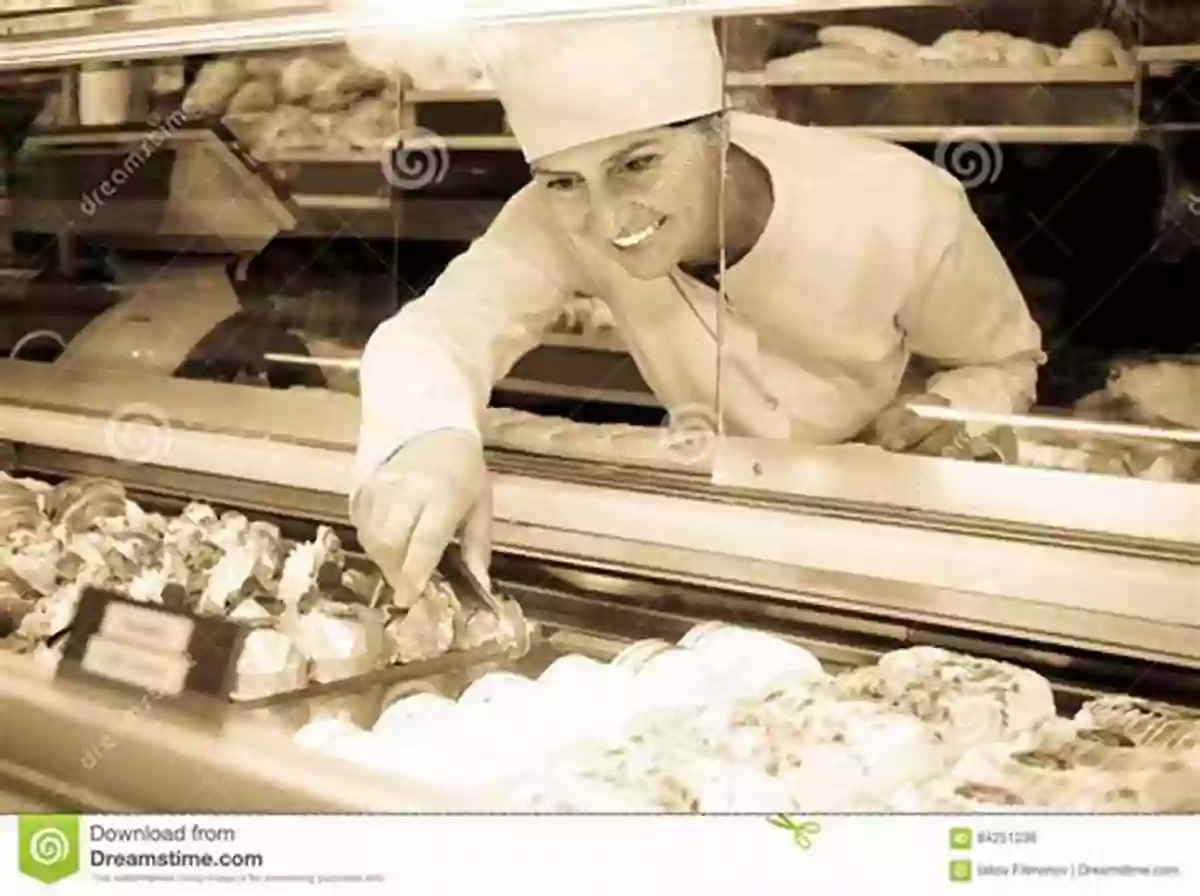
[{"x": 802, "y": 832}]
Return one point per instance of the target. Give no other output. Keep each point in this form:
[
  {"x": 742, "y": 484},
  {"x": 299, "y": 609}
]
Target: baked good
[
  {"x": 18, "y": 508},
  {"x": 252, "y": 97},
  {"x": 969, "y": 700},
  {"x": 743, "y": 662},
  {"x": 874, "y": 41},
  {"x": 409, "y": 714},
  {"x": 214, "y": 86},
  {"x": 79, "y": 504}
]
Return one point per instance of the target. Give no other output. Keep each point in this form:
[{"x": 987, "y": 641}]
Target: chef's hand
[
  {"x": 899, "y": 429},
  {"x": 412, "y": 508}
]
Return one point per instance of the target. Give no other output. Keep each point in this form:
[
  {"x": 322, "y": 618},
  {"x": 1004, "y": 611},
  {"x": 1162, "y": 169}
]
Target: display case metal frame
[{"x": 1120, "y": 584}]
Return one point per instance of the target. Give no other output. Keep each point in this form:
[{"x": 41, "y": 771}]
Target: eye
[
  {"x": 639, "y": 164},
  {"x": 560, "y": 184}
]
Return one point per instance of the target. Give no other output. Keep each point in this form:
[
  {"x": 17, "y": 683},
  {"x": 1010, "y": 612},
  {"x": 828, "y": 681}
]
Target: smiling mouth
[{"x": 629, "y": 240}]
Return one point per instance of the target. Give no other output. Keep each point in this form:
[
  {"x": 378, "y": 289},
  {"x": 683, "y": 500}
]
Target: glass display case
[{"x": 211, "y": 208}]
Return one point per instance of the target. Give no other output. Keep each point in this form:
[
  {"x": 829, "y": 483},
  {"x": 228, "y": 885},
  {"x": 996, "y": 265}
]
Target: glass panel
[
  {"x": 911, "y": 312},
  {"x": 225, "y": 219}
]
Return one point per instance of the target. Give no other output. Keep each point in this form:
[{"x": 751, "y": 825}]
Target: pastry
[{"x": 970, "y": 700}]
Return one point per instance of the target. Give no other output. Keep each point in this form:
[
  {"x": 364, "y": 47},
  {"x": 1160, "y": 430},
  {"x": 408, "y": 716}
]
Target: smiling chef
[{"x": 849, "y": 262}]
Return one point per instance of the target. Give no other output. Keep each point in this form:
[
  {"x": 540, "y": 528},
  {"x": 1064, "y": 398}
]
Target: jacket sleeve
[
  {"x": 970, "y": 318},
  {"x": 432, "y": 366}
]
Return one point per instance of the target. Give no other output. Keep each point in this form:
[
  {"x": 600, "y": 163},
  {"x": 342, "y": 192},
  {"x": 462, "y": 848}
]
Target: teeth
[{"x": 632, "y": 239}]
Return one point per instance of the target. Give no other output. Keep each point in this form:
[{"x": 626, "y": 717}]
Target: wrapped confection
[
  {"x": 79, "y": 504},
  {"x": 427, "y": 629},
  {"x": 269, "y": 664},
  {"x": 476, "y": 628},
  {"x": 17, "y": 601},
  {"x": 340, "y": 642},
  {"x": 1144, "y": 723},
  {"x": 18, "y": 508}
]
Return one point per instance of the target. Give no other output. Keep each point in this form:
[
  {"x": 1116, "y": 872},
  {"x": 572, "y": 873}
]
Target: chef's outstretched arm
[
  {"x": 426, "y": 377},
  {"x": 971, "y": 320}
]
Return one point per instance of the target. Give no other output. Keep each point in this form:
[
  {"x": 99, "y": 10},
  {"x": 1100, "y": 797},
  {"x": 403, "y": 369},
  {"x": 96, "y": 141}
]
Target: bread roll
[
  {"x": 828, "y": 60},
  {"x": 214, "y": 87},
  {"x": 302, "y": 78},
  {"x": 1022, "y": 53},
  {"x": 875, "y": 41},
  {"x": 252, "y": 97}
]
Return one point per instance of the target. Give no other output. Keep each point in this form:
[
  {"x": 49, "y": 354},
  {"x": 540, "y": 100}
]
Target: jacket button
[{"x": 772, "y": 403}]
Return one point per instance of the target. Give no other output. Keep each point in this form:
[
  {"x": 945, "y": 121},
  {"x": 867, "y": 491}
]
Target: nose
[{"x": 608, "y": 215}]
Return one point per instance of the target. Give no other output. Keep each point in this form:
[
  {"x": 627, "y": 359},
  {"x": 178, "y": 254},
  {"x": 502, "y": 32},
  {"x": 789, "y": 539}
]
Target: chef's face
[{"x": 648, "y": 199}]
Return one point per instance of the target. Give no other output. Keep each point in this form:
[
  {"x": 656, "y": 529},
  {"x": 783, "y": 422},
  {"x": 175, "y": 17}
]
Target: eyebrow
[{"x": 612, "y": 159}]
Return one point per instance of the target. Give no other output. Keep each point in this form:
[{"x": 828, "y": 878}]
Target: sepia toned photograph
[{"x": 586, "y": 407}]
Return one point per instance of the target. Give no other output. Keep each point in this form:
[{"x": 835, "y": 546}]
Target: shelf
[
  {"x": 488, "y": 143},
  {"x": 604, "y": 341},
  {"x": 1002, "y": 134},
  {"x": 1179, "y": 53},
  {"x": 576, "y": 393},
  {"x": 932, "y": 75}
]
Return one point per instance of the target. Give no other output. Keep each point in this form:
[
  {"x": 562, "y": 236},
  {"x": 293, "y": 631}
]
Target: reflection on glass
[{"x": 966, "y": 289}]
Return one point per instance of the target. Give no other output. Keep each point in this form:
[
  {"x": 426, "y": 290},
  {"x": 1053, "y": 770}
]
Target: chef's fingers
[
  {"x": 435, "y": 530},
  {"x": 477, "y": 537},
  {"x": 387, "y": 540},
  {"x": 901, "y": 429},
  {"x": 938, "y": 440}
]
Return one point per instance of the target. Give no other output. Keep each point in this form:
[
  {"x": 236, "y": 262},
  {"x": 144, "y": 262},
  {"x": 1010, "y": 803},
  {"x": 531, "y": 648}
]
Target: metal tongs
[{"x": 513, "y": 627}]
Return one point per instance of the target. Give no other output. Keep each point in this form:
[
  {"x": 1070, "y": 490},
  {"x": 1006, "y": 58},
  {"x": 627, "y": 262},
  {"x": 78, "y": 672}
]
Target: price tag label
[
  {"x": 151, "y": 670},
  {"x": 141, "y": 626},
  {"x": 152, "y": 648}
]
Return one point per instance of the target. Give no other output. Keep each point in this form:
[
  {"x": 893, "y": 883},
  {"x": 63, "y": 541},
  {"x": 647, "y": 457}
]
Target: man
[{"x": 845, "y": 259}]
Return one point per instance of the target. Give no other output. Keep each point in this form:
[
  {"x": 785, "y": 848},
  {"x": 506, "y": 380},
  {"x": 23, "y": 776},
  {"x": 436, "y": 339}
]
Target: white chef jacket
[{"x": 871, "y": 257}]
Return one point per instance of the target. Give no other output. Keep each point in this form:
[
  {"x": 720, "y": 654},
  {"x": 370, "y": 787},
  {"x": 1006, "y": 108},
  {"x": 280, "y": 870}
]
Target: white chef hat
[{"x": 570, "y": 83}]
